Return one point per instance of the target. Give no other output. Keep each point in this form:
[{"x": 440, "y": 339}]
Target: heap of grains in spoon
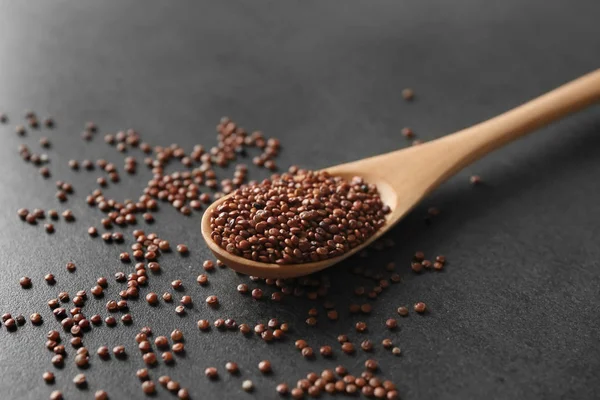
[{"x": 298, "y": 217}]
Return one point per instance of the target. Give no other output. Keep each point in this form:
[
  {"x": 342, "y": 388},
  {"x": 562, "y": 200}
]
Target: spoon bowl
[
  {"x": 404, "y": 177},
  {"x": 272, "y": 270}
]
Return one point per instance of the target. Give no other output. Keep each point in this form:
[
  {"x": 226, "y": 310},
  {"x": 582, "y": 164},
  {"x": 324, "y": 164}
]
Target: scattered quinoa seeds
[{"x": 307, "y": 226}]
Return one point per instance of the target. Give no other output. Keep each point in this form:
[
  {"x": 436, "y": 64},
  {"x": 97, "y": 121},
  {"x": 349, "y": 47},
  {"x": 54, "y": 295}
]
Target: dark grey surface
[{"x": 515, "y": 315}]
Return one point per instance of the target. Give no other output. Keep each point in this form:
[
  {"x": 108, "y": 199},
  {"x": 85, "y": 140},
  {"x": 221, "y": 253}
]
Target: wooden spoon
[{"x": 405, "y": 176}]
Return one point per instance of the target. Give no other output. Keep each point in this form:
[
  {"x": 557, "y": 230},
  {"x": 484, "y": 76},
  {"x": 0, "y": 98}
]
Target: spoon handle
[{"x": 466, "y": 146}]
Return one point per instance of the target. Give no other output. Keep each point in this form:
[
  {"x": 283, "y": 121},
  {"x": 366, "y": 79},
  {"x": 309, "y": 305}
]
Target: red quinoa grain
[
  {"x": 211, "y": 373},
  {"x": 420, "y": 307}
]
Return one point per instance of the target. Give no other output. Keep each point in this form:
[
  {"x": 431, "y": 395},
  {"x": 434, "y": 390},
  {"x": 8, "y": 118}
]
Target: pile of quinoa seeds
[{"x": 297, "y": 216}]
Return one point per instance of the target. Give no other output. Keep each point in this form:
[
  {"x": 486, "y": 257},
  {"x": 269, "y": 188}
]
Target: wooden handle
[{"x": 466, "y": 146}]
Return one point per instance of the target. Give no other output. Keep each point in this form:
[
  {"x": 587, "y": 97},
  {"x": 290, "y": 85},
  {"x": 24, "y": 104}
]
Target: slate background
[{"x": 515, "y": 315}]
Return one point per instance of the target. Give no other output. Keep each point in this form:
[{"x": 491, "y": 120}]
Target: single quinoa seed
[
  {"x": 283, "y": 389},
  {"x": 148, "y": 387},
  {"x": 420, "y": 307},
  {"x": 143, "y": 374},
  {"x": 25, "y": 282},
  {"x": 204, "y": 325},
  {"x": 35, "y": 318},
  {"x": 348, "y": 348},
  {"x": 80, "y": 380},
  {"x": 211, "y": 373},
  {"x": 257, "y": 294},
  {"x": 361, "y": 326},
  {"x": 297, "y": 393},
  {"x": 407, "y": 133},
  {"x": 371, "y": 365},
  {"x": 326, "y": 351},
  {"x": 208, "y": 265},
  {"x": 164, "y": 380},
  {"x": 100, "y": 395},
  {"x": 232, "y": 367},
  {"x": 173, "y": 386},
  {"x": 391, "y": 323},
  {"x": 48, "y": 377},
  {"x": 56, "y": 395},
  {"x": 212, "y": 300},
  {"x": 264, "y": 366},
  {"x": 247, "y": 385},
  {"x": 307, "y": 352},
  {"x": 475, "y": 180},
  {"x": 366, "y": 345},
  {"x": 408, "y": 94}
]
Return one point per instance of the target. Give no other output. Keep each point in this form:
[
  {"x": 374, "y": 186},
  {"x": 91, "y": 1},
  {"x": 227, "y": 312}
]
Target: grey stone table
[{"x": 515, "y": 315}]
